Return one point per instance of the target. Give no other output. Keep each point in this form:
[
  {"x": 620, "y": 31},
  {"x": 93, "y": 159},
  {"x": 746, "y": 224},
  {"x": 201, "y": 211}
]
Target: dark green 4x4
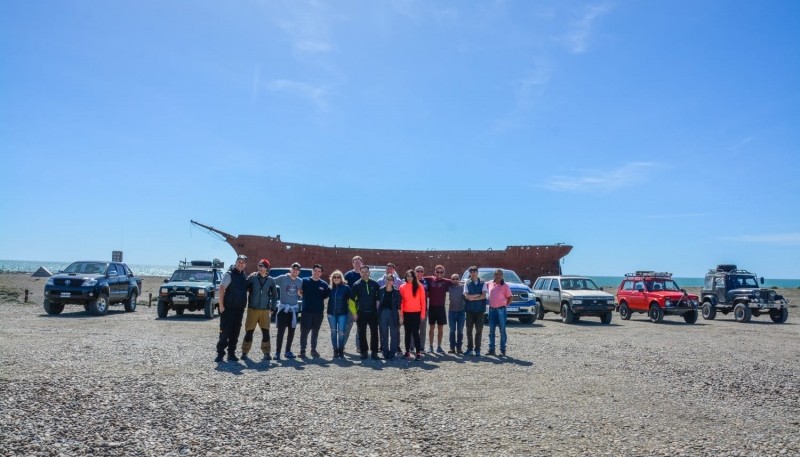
[
  {"x": 194, "y": 286},
  {"x": 728, "y": 288}
]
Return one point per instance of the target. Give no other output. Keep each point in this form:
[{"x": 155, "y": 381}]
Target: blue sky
[{"x": 650, "y": 135}]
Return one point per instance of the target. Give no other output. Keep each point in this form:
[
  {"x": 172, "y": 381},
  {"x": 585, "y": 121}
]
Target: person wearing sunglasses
[
  {"x": 456, "y": 316},
  {"x": 389, "y": 317},
  {"x": 232, "y": 302},
  {"x": 338, "y": 312},
  {"x": 437, "y": 286},
  {"x": 290, "y": 285},
  {"x": 475, "y": 306},
  {"x": 412, "y": 311},
  {"x": 263, "y": 294},
  {"x": 314, "y": 292}
]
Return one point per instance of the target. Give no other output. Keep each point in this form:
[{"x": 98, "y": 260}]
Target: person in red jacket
[{"x": 412, "y": 311}]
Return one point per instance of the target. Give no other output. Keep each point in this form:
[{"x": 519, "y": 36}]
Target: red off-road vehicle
[{"x": 655, "y": 294}]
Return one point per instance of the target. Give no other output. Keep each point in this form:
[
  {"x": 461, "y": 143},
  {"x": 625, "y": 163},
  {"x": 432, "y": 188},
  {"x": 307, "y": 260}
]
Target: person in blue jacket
[{"x": 338, "y": 312}]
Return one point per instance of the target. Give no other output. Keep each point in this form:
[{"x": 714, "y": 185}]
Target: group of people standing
[{"x": 378, "y": 308}]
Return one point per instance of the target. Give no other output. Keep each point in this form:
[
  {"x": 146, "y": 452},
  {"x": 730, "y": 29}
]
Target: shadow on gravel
[
  {"x": 234, "y": 368},
  {"x": 514, "y": 324},
  {"x": 185, "y": 318},
  {"x": 677, "y": 322},
  {"x": 82, "y": 314},
  {"x": 260, "y": 365}
]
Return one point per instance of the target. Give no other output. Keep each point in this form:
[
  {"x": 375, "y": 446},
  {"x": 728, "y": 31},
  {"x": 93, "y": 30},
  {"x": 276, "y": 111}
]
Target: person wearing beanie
[
  {"x": 263, "y": 294},
  {"x": 232, "y": 301}
]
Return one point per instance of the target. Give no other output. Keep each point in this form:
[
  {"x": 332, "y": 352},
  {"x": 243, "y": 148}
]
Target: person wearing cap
[
  {"x": 456, "y": 316},
  {"x": 500, "y": 297},
  {"x": 314, "y": 292},
  {"x": 437, "y": 286},
  {"x": 232, "y": 301},
  {"x": 263, "y": 294},
  {"x": 289, "y": 294},
  {"x": 475, "y": 307}
]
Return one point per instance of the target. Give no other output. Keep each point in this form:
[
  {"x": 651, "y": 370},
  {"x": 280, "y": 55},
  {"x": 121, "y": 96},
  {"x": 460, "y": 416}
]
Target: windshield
[
  {"x": 739, "y": 282},
  {"x": 662, "y": 284},
  {"x": 578, "y": 284},
  {"x": 193, "y": 276},
  {"x": 92, "y": 268},
  {"x": 508, "y": 275}
]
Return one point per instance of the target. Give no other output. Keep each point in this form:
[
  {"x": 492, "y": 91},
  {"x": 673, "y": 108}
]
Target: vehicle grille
[
  {"x": 594, "y": 301},
  {"x": 73, "y": 282}
]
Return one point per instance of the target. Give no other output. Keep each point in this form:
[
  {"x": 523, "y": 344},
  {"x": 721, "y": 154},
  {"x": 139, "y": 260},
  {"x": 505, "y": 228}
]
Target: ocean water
[{"x": 29, "y": 266}]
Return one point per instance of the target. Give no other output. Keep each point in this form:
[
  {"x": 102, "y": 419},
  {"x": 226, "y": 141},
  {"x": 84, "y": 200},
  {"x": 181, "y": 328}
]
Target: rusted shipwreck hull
[{"x": 529, "y": 262}]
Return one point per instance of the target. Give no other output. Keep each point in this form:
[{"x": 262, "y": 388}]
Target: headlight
[
  {"x": 89, "y": 283},
  {"x": 667, "y": 302},
  {"x": 201, "y": 292},
  {"x": 50, "y": 282},
  {"x": 577, "y": 302},
  {"x": 163, "y": 291}
]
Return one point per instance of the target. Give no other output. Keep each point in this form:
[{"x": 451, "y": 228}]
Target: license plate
[
  {"x": 512, "y": 309},
  {"x": 180, "y": 299},
  {"x": 65, "y": 294}
]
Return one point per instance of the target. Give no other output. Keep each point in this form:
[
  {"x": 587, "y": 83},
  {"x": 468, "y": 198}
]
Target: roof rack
[
  {"x": 733, "y": 271},
  {"x": 216, "y": 263},
  {"x": 652, "y": 274}
]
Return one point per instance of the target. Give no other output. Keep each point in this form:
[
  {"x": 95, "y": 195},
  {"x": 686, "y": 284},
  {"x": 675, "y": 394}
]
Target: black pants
[
  {"x": 368, "y": 320},
  {"x": 309, "y": 322},
  {"x": 230, "y": 324},
  {"x": 411, "y": 325},
  {"x": 284, "y": 321},
  {"x": 474, "y": 319}
]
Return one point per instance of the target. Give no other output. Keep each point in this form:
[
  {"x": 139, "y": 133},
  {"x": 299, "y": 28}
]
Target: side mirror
[
  {"x": 601, "y": 288},
  {"x": 166, "y": 279},
  {"x": 762, "y": 280},
  {"x": 556, "y": 289},
  {"x": 683, "y": 290},
  {"x": 527, "y": 283}
]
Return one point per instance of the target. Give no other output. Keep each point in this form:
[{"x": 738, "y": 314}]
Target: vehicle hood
[
  {"x": 672, "y": 295},
  {"x": 744, "y": 291},
  {"x": 185, "y": 284},
  {"x": 77, "y": 276},
  {"x": 518, "y": 287},
  {"x": 589, "y": 294}
]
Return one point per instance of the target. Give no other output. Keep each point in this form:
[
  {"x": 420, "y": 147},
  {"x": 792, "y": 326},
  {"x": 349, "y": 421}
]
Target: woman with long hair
[
  {"x": 338, "y": 310},
  {"x": 412, "y": 311}
]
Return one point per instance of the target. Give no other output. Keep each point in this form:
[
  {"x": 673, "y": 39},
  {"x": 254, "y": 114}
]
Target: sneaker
[
  {"x": 491, "y": 352},
  {"x": 277, "y": 356},
  {"x": 418, "y": 357},
  {"x": 220, "y": 358},
  {"x": 469, "y": 352},
  {"x": 363, "y": 355},
  {"x": 267, "y": 356},
  {"x": 459, "y": 351},
  {"x": 232, "y": 358},
  {"x": 375, "y": 356},
  {"x": 441, "y": 351},
  {"x": 289, "y": 355},
  {"x": 244, "y": 356},
  {"x": 303, "y": 355},
  {"x": 430, "y": 350},
  {"x": 407, "y": 355},
  {"x": 314, "y": 353},
  {"x": 451, "y": 351},
  {"x": 503, "y": 353},
  {"x": 477, "y": 352}
]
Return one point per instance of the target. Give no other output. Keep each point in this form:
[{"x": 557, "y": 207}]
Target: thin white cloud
[
  {"x": 577, "y": 38},
  {"x": 783, "y": 239},
  {"x": 314, "y": 94},
  {"x": 307, "y": 25},
  {"x": 585, "y": 181},
  {"x": 527, "y": 91}
]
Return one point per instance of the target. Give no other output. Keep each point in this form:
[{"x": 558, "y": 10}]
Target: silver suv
[{"x": 572, "y": 297}]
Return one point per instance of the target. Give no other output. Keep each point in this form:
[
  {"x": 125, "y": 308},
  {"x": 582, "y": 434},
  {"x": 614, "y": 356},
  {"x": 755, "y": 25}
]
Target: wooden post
[
  {"x": 26, "y": 295},
  {"x": 150, "y": 300}
]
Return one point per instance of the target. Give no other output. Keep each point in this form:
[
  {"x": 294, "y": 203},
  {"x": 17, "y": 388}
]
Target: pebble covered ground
[{"x": 132, "y": 384}]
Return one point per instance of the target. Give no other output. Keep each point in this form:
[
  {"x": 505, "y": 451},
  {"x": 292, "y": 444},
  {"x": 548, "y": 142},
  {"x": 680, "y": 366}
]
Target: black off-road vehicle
[
  {"x": 727, "y": 289},
  {"x": 194, "y": 286}
]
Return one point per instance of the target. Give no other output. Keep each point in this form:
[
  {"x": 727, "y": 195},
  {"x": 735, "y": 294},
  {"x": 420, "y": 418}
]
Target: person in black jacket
[
  {"x": 365, "y": 298},
  {"x": 232, "y": 301},
  {"x": 314, "y": 292},
  {"x": 389, "y": 317}
]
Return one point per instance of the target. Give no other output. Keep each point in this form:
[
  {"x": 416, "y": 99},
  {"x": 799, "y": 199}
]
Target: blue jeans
[
  {"x": 497, "y": 317},
  {"x": 389, "y": 322},
  {"x": 456, "y": 320},
  {"x": 338, "y": 336}
]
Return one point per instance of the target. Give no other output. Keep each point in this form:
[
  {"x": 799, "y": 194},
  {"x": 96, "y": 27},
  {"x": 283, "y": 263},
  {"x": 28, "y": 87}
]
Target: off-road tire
[
  {"x": 567, "y": 316},
  {"x": 779, "y": 316},
  {"x": 539, "y": 310},
  {"x": 130, "y": 303},
  {"x": 624, "y": 311},
  {"x": 742, "y": 313},
  {"x": 209, "y": 309},
  {"x": 52, "y": 308},
  {"x": 161, "y": 309},
  {"x": 606, "y": 317},
  {"x": 655, "y": 313},
  {"x": 99, "y": 306},
  {"x": 709, "y": 311},
  {"x": 690, "y": 317}
]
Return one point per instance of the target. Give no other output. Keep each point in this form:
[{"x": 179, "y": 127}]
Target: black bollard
[
  {"x": 150, "y": 300},
  {"x": 26, "y": 295}
]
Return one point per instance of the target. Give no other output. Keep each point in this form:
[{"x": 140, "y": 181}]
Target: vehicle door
[
  {"x": 719, "y": 289},
  {"x": 113, "y": 282},
  {"x": 638, "y": 297},
  {"x": 554, "y": 296},
  {"x": 540, "y": 290}
]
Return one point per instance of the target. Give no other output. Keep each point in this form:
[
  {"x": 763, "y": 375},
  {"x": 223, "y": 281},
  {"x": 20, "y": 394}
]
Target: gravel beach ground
[{"x": 132, "y": 384}]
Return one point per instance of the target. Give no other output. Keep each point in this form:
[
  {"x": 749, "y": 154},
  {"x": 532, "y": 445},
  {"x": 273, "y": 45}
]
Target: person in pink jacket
[{"x": 412, "y": 311}]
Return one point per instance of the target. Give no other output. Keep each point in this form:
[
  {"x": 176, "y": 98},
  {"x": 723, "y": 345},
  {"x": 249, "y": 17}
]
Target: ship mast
[{"x": 224, "y": 235}]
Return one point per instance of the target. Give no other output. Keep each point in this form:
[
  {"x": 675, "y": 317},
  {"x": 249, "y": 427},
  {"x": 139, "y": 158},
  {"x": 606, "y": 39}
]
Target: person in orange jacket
[{"x": 412, "y": 311}]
